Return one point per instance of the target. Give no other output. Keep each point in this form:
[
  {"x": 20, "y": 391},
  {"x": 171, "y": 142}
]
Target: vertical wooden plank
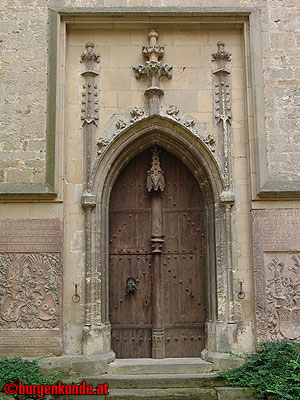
[
  {"x": 130, "y": 231},
  {"x": 183, "y": 261}
]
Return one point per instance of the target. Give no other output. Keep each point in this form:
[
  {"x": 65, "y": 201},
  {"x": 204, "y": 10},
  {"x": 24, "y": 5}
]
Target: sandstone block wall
[{"x": 24, "y": 77}]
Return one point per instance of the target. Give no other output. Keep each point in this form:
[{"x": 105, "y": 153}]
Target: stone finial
[
  {"x": 89, "y": 55},
  {"x": 153, "y": 51},
  {"x": 153, "y": 35},
  {"x": 221, "y": 54},
  {"x": 154, "y": 69}
]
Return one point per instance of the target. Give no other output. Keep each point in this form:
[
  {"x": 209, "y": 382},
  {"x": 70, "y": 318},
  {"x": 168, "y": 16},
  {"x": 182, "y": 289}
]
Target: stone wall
[
  {"x": 24, "y": 81},
  {"x": 24, "y": 45}
]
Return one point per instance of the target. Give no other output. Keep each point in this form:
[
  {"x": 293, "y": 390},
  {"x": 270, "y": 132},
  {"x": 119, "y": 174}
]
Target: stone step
[
  {"x": 135, "y": 366},
  {"x": 218, "y": 393},
  {"x": 158, "y": 381},
  {"x": 162, "y": 394}
]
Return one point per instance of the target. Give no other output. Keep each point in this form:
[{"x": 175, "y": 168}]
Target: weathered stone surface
[
  {"x": 31, "y": 236},
  {"x": 23, "y": 83},
  {"x": 80, "y": 366},
  {"x": 276, "y": 252},
  {"x": 228, "y": 393},
  {"x": 148, "y": 381},
  {"x": 224, "y": 361},
  {"x": 157, "y": 366},
  {"x": 157, "y": 394}
]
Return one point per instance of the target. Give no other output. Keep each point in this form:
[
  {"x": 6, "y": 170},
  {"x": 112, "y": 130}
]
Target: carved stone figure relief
[{"x": 30, "y": 290}]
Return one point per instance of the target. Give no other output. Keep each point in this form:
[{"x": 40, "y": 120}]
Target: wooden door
[{"x": 181, "y": 261}]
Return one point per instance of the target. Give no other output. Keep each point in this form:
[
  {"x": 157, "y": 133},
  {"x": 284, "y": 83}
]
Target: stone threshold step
[
  {"x": 206, "y": 380},
  {"x": 158, "y": 394},
  {"x": 134, "y": 366},
  {"x": 152, "y": 394},
  {"x": 173, "y": 394}
]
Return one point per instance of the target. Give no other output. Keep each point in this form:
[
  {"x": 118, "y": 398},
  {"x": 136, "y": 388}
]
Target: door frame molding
[{"x": 201, "y": 161}]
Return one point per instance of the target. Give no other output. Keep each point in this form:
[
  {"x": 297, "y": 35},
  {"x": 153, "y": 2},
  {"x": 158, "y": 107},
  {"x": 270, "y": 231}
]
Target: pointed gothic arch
[{"x": 200, "y": 160}]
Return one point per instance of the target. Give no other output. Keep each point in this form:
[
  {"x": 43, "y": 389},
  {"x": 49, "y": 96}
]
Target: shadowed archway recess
[{"x": 191, "y": 151}]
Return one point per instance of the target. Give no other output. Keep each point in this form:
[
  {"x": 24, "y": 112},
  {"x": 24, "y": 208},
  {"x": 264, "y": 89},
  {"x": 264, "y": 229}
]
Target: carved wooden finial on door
[{"x": 155, "y": 176}]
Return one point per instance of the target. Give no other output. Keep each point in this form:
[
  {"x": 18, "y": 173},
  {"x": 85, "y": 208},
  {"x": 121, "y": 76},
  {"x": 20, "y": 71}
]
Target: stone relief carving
[
  {"x": 154, "y": 69},
  {"x": 30, "y": 290},
  {"x": 222, "y": 107},
  {"x": 279, "y": 317}
]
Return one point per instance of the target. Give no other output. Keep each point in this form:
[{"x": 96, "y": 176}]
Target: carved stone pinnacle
[
  {"x": 221, "y": 53},
  {"x": 154, "y": 69},
  {"x": 89, "y": 55}
]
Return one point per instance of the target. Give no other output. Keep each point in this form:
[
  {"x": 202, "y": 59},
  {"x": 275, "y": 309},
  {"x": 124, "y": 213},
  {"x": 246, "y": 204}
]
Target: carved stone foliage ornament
[
  {"x": 154, "y": 69},
  {"x": 30, "y": 290},
  {"x": 119, "y": 123},
  {"x": 89, "y": 93},
  {"x": 155, "y": 176},
  {"x": 221, "y": 54},
  {"x": 89, "y": 56},
  {"x": 280, "y": 317},
  {"x": 137, "y": 113},
  {"x": 210, "y": 141},
  {"x": 222, "y": 107}
]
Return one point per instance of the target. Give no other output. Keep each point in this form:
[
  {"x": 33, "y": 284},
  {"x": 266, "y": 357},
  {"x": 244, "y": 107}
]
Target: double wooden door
[{"x": 164, "y": 289}]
